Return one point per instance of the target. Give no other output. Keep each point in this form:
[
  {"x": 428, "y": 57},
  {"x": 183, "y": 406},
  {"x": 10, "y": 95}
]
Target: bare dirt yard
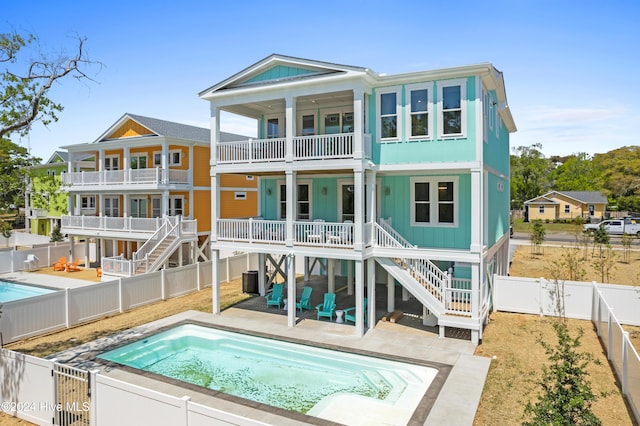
[{"x": 513, "y": 340}]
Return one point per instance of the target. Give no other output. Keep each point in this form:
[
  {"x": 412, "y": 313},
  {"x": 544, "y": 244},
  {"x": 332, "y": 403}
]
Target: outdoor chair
[
  {"x": 328, "y": 308},
  {"x": 304, "y": 302},
  {"x": 315, "y": 234},
  {"x": 73, "y": 267},
  {"x": 275, "y": 296},
  {"x": 350, "y": 313},
  {"x": 61, "y": 264}
]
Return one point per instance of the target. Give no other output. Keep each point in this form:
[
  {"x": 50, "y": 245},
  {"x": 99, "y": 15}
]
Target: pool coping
[
  {"x": 452, "y": 398},
  {"x": 418, "y": 417}
]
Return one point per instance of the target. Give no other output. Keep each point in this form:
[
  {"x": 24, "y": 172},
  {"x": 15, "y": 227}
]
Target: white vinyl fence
[
  {"x": 18, "y": 260},
  {"x": 606, "y": 305},
  {"x": 69, "y": 307},
  {"x": 29, "y": 390}
]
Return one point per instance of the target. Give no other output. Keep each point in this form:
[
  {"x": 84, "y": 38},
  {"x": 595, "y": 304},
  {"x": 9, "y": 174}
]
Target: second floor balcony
[
  {"x": 134, "y": 227},
  {"x": 130, "y": 177},
  {"x": 317, "y": 147}
]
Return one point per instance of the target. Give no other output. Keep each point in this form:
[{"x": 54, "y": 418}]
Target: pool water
[
  {"x": 294, "y": 377},
  {"x": 11, "y": 291}
]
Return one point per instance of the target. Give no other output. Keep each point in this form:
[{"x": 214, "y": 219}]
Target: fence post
[
  {"x": 120, "y": 304},
  {"x": 66, "y": 308},
  {"x": 540, "y": 296},
  {"x": 185, "y": 407},
  {"x": 625, "y": 362},
  {"x": 163, "y": 284},
  {"x": 93, "y": 409},
  {"x": 198, "y": 275},
  {"x": 609, "y": 334}
]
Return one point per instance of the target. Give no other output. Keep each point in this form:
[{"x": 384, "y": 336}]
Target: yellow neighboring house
[
  {"x": 566, "y": 205},
  {"x": 151, "y": 183}
]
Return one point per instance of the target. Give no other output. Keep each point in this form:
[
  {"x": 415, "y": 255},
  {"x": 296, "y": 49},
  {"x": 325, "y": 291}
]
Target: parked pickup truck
[{"x": 627, "y": 225}]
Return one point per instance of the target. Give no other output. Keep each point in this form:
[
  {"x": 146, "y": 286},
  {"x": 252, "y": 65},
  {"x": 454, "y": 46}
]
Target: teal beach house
[{"x": 381, "y": 181}]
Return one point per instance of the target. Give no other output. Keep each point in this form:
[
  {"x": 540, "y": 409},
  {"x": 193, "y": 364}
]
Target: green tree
[
  {"x": 627, "y": 241},
  {"x": 577, "y": 173},
  {"x": 6, "y": 231},
  {"x": 530, "y": 174},
  {"x": 606, "y": 264},
  {"x": 56, "y": 235},
  {"x": 621, "y": 176},
  {"x": 537, "y": 237},
  {"x": 25, "y": 83},
  {"x": 600, "y": 238},
  {"x": 566, "y": 397}
]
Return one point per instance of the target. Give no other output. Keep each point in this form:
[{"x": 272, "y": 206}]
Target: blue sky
[{"x": 570, "y": 67}]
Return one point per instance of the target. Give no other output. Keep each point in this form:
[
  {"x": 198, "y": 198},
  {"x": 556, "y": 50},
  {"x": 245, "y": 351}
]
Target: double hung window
[
  {"x": 452, "y": 115},
  {"x": 434, "y": 201}
]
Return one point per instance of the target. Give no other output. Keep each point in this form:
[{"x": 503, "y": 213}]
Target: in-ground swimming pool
[
  {"x": 315, "y": 381},
  {"x": 11, "y": 291}
]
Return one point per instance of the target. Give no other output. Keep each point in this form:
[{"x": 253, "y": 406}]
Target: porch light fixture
[
  {"x": 387, "y": 191},
  {"x": 324, "y": 190},
  {"x": 268, "y": 191}
]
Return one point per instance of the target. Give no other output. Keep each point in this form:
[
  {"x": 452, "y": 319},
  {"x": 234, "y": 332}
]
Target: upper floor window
[
  {"x": 88, "y": 202},
  {"x": 388, "y": 109},
  {"x": 274, "y": 127},
  {"x": 176, "y": 206},
  {"x": 308, "y": 125},
  {"x": 419, "y": 110},
  {"x": 303, "y": 207},
  {"x": 112, "y": 206},
  {"x": 434, "y": 201},
  {"x": 112, "y": 163},
  {"x": 138, "y": 161},
  {"x": 541, "y": 209},
  {"x": 175, "y": 158},
  {"x": 567, "y": 208},
  {"x": 157, "y": 159},
  {"x": 452, "y": 118}
]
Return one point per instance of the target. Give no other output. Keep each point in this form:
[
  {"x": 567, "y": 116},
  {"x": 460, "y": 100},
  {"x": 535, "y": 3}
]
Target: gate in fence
[{"x": 73, "y": 394}]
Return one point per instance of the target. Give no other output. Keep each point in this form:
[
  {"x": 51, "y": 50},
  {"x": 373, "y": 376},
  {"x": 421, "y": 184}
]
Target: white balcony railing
[
  {"x": 121, "y": 224},
  {"x": 154, "y": 176},
  {"x": 323, "y": 147},
  {"x": 316, "y": 147},
  {"x": 319, "y": 234},
  {"x": 252, "y": 150}
]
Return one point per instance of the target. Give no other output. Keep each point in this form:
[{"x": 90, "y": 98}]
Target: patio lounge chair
[
  {"x": 328, "y": 308},
  {"x": 275, "y": 296},
  {"x": 305, "y": 299},
  {"x": 73, "y": 267},
  {"x": 350, "y": 313},
  {"x": 61, "y": 264}
]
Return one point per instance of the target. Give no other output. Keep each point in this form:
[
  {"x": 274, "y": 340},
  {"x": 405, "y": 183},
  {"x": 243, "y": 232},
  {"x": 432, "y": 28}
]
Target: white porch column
[
  {"x": 391, "y": 293},
  {"x": 331, "y": 275},
  {"x": 371, "y": 293},
  {"x": 164, "y": 203},
  {"x": 358, "y": 124},
  {"x": 359, "y": 267},
  {"x": 125, "y": 204},
  {"x": 101, "y": 160},
  {"x": 350, "y": 277},
  {"x": 86, "y": 253},
  {"x": 290, "y": 177},
  {"x": 126, "y": 166},
  {"x": 215, "y": 135},
  {"x": 215, "y": 207},
  {"x": 289, "y": 120},
  {"x": 291, "y": 289},
  {"x": 371, "y": 199},
  {"x": 262, "y": 270},
  {"x": 77, "y": 208},
  {"x": 358, "y": 210},
  {"x": 476, "y": 277},
  {"x": 307, "y": 273},
  {"x": 215, "y": 283},
  {"x": 100, "y": 204}
]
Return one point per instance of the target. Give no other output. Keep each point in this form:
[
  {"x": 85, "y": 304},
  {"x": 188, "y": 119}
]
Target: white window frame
[
  {"x": 138, "y": 156},
  {"x": 282, "y": 183},
  {"x": 384, "y": 91},
  {"x": 88, "y": 202},
  {"x": 541, "y": 209},
  {"x": 462, "y": 82},
  {"x": 434, "y": 201},
  {"x": 299, "y": 121},
  {"x": 250, "y": 177},
  {"x": 172, "y": 207},
  {"x": 428, "y": 86},
  {"x": 171, "y": 153},
  {"x": 112, "y": 201},
  {"x": 110, "y": 159},
  {"x": 159, "y": 163},
  {"x": 567, "y": 208},
  {"x": 156, "y": 206},
  {"x": 281, "y": 126}
]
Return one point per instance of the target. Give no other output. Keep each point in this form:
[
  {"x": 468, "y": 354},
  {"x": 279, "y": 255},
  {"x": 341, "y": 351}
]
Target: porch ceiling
[{"x": 272, "y": 106}]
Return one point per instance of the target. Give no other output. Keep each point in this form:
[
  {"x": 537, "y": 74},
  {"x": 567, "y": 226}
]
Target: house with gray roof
[{"x": 566, "y": 205}]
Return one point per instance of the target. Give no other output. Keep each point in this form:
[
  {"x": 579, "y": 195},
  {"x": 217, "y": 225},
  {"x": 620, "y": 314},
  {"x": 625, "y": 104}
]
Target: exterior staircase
[
  {"x": 158, "y": 255},
  {"x": 444, "y": 296}
]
